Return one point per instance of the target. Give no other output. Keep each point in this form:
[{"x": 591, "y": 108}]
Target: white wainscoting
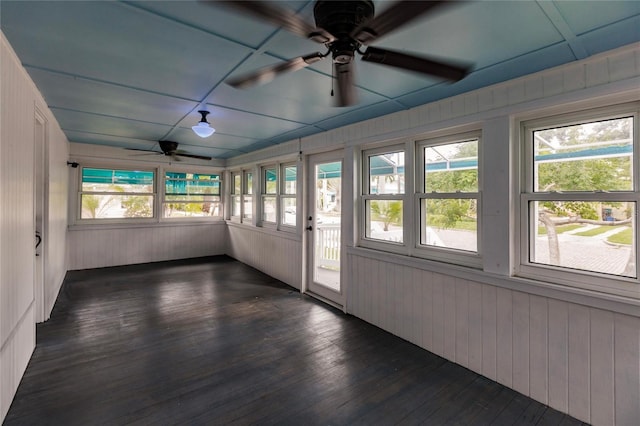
[
  {"x": 571, "y": 357},
  {"x": 278, "y": 254},
  {"x": 103, "y": 246}
]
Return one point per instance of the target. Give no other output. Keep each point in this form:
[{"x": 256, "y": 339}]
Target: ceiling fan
[
  {"x": 344, "y": 27},
  {"x": 170, "y": 149}
]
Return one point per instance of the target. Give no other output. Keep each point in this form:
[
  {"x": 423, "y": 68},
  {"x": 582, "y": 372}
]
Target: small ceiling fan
[
  {"x": 344, "y": 27},
  {"x": 170, "y": 149}
]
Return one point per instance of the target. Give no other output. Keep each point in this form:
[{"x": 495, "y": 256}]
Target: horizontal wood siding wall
[
  {"x": 102, "y": 247},
  {"x": 277, "y": 256},
  {"x": 571, "y": 357}
]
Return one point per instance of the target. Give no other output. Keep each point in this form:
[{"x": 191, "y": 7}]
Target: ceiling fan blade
[
  {"x": 415, "y": 63},
  {"x": 143, "y": 150},
  {"x": 199, "y": 157},
  {"x": 399, "y": 14},
  {"x": 282, "y": 17},
  {"x": 267, "y": 74},
  {"x": 346, "y": 88}
]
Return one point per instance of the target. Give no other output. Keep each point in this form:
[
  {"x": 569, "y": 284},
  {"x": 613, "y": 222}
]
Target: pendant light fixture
[{"x": 203, "y": 129}]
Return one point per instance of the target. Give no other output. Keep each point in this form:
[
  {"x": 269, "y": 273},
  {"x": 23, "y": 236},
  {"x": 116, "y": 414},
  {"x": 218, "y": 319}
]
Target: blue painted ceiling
[{"x": 128, "y": 74}]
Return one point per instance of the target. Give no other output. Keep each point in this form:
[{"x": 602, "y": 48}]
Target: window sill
[{"x": 163, "y": 224}]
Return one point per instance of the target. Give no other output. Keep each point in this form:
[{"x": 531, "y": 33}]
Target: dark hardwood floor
[{"x": 212, "y": 341}]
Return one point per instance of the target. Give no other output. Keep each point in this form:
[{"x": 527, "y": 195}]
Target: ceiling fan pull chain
[{"x": 332, "y": 79}]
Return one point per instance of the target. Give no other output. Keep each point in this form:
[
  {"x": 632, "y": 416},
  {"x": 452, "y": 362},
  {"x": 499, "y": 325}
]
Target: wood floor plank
[{"x": 212, "y": 341}]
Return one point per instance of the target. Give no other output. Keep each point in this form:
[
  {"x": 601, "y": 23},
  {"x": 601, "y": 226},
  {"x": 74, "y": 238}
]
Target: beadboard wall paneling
[
  {"x": 101, "y": 247},
  {"x": 277, "y": 254},
  {"x": 19, "y": 100},
  {"x": 57, "y": 198},
  {"x": 565, "y": 355},
  {"x": 17, "y": 224}
]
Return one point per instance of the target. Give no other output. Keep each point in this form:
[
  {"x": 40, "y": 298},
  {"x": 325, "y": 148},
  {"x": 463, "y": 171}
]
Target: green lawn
[
  {"x": 622, "y": 237},
  {"x": 559, "y": 229},
  {"x": 597, "y": 231}
]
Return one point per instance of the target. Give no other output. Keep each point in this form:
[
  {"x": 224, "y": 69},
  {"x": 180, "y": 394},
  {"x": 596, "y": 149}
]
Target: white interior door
[{"x": 324, "y": 227}]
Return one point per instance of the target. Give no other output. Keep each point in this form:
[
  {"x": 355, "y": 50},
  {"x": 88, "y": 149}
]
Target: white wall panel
[
  {"x": 521, "y": 352},
  {"x": 627, "y": 370},
  {"x": 538, "y": 348},
  {"x": 58, "y": 192},
  {"x": 579, "y": 362},
  {"x": 559, "y": 353},
  {"x": 18, "y": 101},
  {"x": 602, "y": 367},
  {"x": 487, "y": 335},
  {"x": 279, "y": 256},
  {"x": 102, "y": 247},
  {"x": 504, "y": 336}
]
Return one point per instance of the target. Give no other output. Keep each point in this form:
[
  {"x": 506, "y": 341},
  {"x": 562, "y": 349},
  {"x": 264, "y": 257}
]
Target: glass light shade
[{"x": 203, "y": 129}]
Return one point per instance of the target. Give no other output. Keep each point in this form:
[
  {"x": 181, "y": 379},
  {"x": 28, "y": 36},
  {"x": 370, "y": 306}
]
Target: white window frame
[
  {"x": 264, "y": 195},
  {"x": 446, "y": 254},
  {"x": 233, "y": 195},
  {"x": 283, "y": 195},
  {"x": 366, "y": 196},
  {"x": 583, "y": 279},
  {"x": 162, "y": 183},
  {"x": 78, "y": 220},
  {"x": 247, "y": 193}
]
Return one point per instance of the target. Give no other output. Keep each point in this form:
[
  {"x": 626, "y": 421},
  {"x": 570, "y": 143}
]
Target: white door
[{"x": 324, "y": 227}]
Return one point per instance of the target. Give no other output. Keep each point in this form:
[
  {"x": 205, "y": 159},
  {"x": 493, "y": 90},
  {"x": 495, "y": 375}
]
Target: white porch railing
[{"x": 327, "y": 252}]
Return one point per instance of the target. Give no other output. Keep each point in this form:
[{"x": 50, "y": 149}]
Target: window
[
  {"x": 383, "y": 195},
  {"x": 236, "y": 194},
  {"x": 191, "y": 195},
  {"x": 448, "y": 193},
  {"x": 116, "y": 194},
  {"x": 288, "y": 194},
  {"x": 247, "y": 197},
  {"x": 579, "y": 198},
  {"x": 269, "y": 194}
]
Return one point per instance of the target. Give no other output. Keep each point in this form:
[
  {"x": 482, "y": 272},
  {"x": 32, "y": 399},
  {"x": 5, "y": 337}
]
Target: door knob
[{"x": 309, "y": 228}]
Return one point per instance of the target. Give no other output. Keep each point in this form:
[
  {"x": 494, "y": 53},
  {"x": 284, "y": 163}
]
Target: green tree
[
  {"x": 387, "y": 212},
  {"x": 137, "y": 206}
]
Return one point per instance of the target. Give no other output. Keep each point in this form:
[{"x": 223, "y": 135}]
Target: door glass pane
[{"x": 327, "y": 241}]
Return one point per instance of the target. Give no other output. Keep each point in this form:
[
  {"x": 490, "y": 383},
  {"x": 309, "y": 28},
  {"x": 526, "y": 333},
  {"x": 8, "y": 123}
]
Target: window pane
[
  {"x": 289, "y": 211},
  {"x": 450, "y": 223},
  {"x": 103, "y": 206},
  {"x": 290, "y": 179},
  {"x": 235, "y": 205},
  {"x": 451, "y": 167},
  {"x": 269, "y": 209},
  {"x": 593, "y": 156},
  {"x": 107, "y": 180},
  {"x": 247, "y": 212},
  {"x": 270, "y": 181},
  {"x": 180, "y": 209},
  {"x": 248, "y": 183},
  {"x": 560, "y": 236},
  {"x": 189, "y": 183},
  {"x": 384, "y": 220},
  {"x": 237, "y": 183},
  {"x": 386, "y": 173}
]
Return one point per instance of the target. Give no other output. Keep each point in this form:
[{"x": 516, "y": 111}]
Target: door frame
[
  {"x": 40, "y": 213},
  {"x": 336, "y": 299}
]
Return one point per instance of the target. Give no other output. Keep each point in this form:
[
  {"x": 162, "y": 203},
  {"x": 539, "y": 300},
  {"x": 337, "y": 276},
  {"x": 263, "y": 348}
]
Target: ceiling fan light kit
[
  {"x": 203, "y": 129},
  {"x": 343, "y": 27}
]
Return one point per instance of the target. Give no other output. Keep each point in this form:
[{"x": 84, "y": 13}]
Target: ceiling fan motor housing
[{"x": 341, "y": 18}]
